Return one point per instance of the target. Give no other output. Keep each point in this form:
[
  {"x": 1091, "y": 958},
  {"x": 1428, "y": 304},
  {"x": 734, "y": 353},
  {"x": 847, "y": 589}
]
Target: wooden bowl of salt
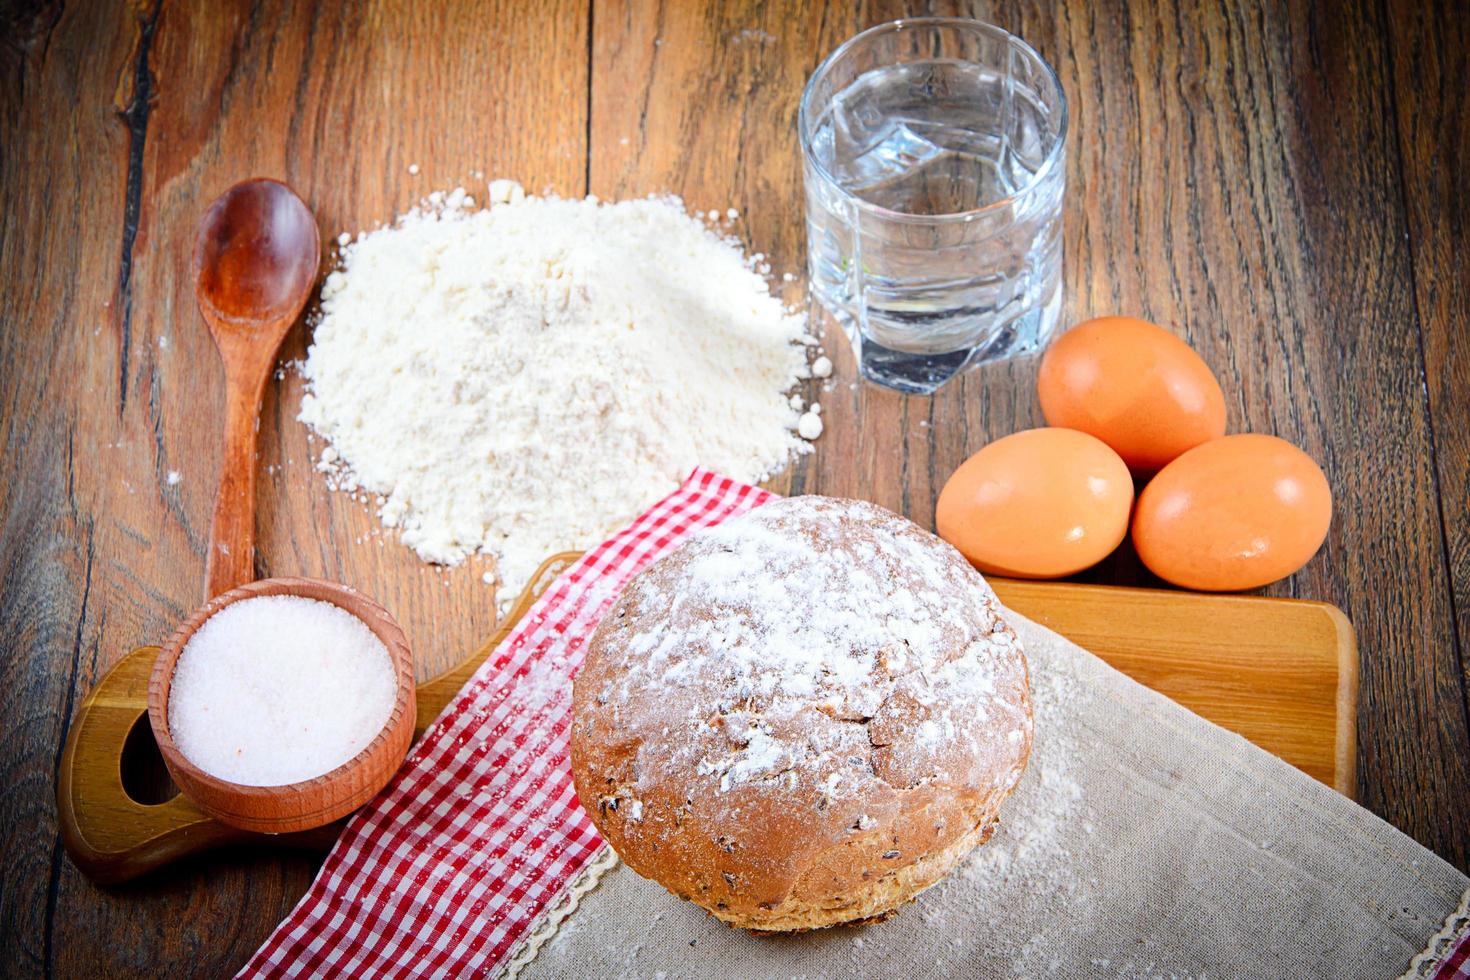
[{"x": 284, "y": 704}]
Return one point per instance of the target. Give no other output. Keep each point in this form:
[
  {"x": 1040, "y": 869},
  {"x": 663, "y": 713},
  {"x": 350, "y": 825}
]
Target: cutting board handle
[{"x": 114, "y": 834}]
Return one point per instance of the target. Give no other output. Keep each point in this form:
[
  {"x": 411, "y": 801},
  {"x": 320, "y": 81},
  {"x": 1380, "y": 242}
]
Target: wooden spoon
[{"x": 255, "y": 262}]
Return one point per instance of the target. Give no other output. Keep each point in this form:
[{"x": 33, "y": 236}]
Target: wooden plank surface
[
  {"x": 54, "y": 217},
  {"x": 1429, "y": 48},
  {"x": 1278, "y": 182}
]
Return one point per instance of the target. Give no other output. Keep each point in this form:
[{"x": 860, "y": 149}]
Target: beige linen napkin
[{"x": 1143, "y": 841}]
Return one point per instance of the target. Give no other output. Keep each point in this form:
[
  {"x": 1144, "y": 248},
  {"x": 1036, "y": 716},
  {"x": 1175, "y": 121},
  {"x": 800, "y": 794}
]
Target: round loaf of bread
[{"x": 804, "y": 716}]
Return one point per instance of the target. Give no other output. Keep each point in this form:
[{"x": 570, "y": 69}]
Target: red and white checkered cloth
[
  {"x": 480, "y": 831},
  {"x": 1455, "y": 964}
]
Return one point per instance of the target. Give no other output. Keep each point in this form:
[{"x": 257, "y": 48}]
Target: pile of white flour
[{"x": 525, "y": 378}]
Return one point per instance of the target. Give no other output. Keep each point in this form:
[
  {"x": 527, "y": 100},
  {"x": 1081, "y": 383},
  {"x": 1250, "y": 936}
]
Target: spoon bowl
[{"x": 256, "y": 256}]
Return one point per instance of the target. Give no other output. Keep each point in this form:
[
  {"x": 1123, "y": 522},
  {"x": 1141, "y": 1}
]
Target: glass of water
[{"x": 934, "y": 163}]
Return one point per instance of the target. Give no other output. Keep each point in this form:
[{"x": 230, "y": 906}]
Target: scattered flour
[
  {"x": 523, "y": 379},
  {"x": 1030, "y": 839},
  {"x": 1031, "y": 854},
  {"x": 276, "y": 689}
]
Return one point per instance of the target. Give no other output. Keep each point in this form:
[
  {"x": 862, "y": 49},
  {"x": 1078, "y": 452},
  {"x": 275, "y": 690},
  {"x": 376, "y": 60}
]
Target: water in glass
[{"x": 933, "y": 216}]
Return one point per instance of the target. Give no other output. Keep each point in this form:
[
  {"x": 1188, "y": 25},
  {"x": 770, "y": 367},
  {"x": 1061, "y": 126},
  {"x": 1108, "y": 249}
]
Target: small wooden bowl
[{"x": 312, "y": 802}]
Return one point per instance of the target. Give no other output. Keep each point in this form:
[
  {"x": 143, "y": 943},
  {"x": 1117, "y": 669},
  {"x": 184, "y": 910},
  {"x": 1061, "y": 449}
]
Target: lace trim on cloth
[
  {"x": 558, "y": 912},
  {"x": 1422, "y": 967}
]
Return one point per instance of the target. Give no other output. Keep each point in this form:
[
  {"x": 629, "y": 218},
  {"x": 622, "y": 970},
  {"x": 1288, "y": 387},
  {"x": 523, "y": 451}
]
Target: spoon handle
[{"x": 232, "y": 535}]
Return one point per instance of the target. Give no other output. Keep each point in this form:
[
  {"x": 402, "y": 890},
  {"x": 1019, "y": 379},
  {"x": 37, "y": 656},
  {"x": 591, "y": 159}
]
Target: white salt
[{"x": 276, "y": 689}]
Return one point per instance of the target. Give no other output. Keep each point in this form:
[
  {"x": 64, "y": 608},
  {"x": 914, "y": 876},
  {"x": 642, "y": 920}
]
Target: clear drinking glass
[{"x": 934, "y": 164}]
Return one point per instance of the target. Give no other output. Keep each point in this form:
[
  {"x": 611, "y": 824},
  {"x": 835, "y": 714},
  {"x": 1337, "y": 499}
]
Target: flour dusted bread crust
[{"x": 804, "y": 716}]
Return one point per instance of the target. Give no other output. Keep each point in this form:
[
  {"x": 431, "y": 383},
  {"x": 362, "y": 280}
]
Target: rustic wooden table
[{"x": 1284, "y": 186}]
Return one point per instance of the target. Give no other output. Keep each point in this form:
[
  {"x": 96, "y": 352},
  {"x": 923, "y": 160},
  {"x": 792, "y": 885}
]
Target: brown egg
[
  {"x": 1038, "y": 504},
  {"x": 1235, "y": 513},
  {"x": 1135, "y": 386}
]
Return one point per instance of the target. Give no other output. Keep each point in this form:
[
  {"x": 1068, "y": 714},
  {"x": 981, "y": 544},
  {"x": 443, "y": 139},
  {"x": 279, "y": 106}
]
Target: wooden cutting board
[{"x": 1281, "y": 672}]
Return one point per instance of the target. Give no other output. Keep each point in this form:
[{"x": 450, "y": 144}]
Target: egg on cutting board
[
  {"x": 1042, "y": 503},
  {"x": 1135, "y": 386},
  {"x": 1235, "y": 513}
]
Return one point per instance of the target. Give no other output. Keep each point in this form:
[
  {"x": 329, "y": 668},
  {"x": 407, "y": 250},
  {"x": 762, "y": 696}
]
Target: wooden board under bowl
[{"x": 1281, "y": 672}]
